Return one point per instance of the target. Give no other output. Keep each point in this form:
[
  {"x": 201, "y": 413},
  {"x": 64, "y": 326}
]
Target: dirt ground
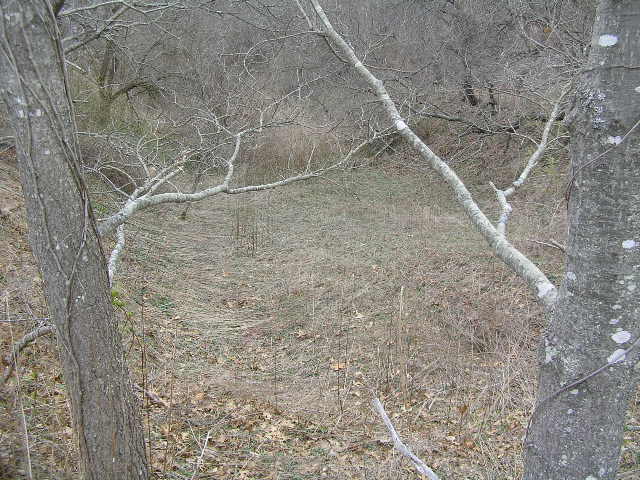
[{"x": 262, "y": 326}]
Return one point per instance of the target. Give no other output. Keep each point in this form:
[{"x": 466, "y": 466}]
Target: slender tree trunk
[
  {"x": 105, "y": 84},
  {"x": 576, "y": 430},
  {"x": 64, "y": 239}
]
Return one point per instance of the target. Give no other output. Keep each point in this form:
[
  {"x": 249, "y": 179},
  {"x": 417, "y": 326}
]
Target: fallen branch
[
  {"x": 421, "y": 467},
  {"x": 153, "y": 397},
  {"x": 552, "y": 244}
]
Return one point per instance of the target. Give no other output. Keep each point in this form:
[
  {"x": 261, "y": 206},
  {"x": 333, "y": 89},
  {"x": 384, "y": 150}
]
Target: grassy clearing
[{"x": 263, "y": 325}]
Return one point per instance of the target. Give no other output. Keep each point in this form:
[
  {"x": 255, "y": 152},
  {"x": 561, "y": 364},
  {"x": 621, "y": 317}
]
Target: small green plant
[
  {"x": 164, "y": 303},
  {"x": 116, "y": 299},
  {"x": 99, "y": 208}
]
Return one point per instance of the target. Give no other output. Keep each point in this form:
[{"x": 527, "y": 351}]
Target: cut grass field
[{"x": 262, "y": 325}]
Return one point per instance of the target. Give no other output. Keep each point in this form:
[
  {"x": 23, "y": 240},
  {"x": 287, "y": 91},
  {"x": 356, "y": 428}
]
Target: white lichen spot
[
  {"x": 621, "y": 336},
  {"x": 591, "y": 477},
  {"x": 617, "y": 307},
  {"x": 564, "y": 460},
  {"x": 549, "y": 352},
  {"x": 631, "y": 287},
  {"x": 571, "y": 276},
  {"x": 627, "y": 244},
  {"x": 614, "y": 321},
  {"x": 575, "y": 391},
  {"x": 617, "y": 356},
  {"x": 46, "y": 151},
  {"x": 617, "y": 140},
  {"x": 570, "y": 411},
  {"x": 544, "y": 288},
  {"x": 607, "y": 40},
  {"x": 358, "y": 64},
  {"x": 85, "y": 258},
  {"x": 20, "y": 113},
  {"x": 400, "y": 125},
  {"x": 637, "y": 89},
  {"x": 13, "y": 18}
]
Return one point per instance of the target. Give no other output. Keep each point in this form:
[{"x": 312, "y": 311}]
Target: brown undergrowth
[{"x": 261, "y": 327}]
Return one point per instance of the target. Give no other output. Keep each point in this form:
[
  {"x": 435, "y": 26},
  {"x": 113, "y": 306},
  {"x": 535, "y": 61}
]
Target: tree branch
[
  {"x": 139, "y": 202},
  {"x": 535, "y": 157},
  {"x": 95, "y": 35},
  {"x": 115, "y": 253},
  {"x": 11, "y": 358},
  {"x": 421, "y": 467},
  {"x": 537, "y": 280}
]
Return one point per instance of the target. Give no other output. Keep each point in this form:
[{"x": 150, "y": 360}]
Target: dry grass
[
  {"x": 287, "y": 150},
  {"x": 268, "y": 322}
]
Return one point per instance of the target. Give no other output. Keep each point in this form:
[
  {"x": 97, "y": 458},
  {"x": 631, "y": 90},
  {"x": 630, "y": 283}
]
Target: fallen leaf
[{"x": 337, "y": 366}]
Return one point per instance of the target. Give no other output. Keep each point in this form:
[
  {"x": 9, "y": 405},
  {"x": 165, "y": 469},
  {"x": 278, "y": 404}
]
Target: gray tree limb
[
  {"x": 537, "y": 280},
  {"x": 420, "y": 466}
]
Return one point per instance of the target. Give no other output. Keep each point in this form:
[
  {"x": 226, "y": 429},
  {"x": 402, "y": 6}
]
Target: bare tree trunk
[
  {"x": 64, "y": 239},
  {"x": 467, "y": 90},
  {"x": 576, "y": 429},
  {"x": 105, "y": 84}
]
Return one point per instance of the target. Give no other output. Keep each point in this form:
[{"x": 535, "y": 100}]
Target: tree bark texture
[
  {"x": 576, "y": 430},
  {"x": 64, "y": 239}
]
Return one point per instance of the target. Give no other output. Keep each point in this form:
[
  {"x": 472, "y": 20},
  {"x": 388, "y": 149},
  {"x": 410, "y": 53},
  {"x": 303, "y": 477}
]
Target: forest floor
[{"x": 262, "y": 326}]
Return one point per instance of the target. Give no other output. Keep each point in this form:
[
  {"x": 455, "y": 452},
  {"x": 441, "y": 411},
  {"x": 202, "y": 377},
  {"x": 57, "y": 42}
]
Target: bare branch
[
  {"x": 304, "y": 15},
  {"x": 10, "y": 359},
  {"x": 95, "y": 35},
  {"x": 421, "y": 467},
  {"x": 537, "y": 280},
  {"x": 152, "y": 396},
  {"x": 552, "y": 244},
  {"x": 535, "y": 157},
  {"x": 137, "y": 203}
]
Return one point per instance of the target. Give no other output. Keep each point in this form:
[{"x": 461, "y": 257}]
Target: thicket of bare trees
[{"x": 177, "y": 101}]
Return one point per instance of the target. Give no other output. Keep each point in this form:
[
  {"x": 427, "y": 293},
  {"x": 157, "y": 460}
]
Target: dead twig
[
  {"x": 421, "y": 467},
  {"x": 152, "y": 396},
  {"x": 552, "y": 244}
]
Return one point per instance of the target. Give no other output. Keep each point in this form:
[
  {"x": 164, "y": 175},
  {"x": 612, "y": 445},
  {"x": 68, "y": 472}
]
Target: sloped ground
[{"x": 263, "y": 325}]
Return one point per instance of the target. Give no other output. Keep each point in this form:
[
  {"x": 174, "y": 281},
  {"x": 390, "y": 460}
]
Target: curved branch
[
  {"x": 11, "y": 358},
  {"x": 137, "y": 203}
]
